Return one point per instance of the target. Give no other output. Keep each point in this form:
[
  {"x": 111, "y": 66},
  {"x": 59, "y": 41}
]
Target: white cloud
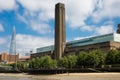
[
  {"x": 22, "y": 18},
  {"x": 106, "y": 9},
  {"x": 105, "y": 29},
  {"x": 1, "y": 28},
  {"x": 32, "y": 21},
  {"x": 99, "y": 30},
  {"x": 87, "y": 28},
  {"x": 28, "y": 42},
  {"x": 76, "y": 11},
  {"x": 2, "y": 41},
  {"x": 7, "y": 5},
  {"x": 25, "y": 43},
  {"x": 32, "y": 5},
  {"x": 79, "y": 38},
  {"x": 36, "y": 5},
  {"x": 41, "y": 28},
  {"x": 39, "y": 13},
  {"x": 4, "y": 44},
  {"x": 45, "y": 9}
]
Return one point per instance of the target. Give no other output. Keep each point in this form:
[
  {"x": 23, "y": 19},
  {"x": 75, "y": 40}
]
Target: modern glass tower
[{"x": 12, "y": 50}]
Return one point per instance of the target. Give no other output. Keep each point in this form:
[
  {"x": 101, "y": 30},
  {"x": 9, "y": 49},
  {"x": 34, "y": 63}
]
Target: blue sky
[{"x": 34, "y": 21}]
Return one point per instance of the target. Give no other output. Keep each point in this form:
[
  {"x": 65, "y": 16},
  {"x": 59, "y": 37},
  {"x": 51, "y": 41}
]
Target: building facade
[
  {"x": 103, "y": 42},
  {"x": 13, "y": 58},
  {"x": 10, "y": 58},
  {"x": 3, "y": 56}
]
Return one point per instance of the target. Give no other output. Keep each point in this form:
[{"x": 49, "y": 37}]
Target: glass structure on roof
[{"x": 86, "y": 41}]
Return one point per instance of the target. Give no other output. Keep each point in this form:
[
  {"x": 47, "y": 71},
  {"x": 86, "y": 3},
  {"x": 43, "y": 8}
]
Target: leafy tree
[
  {"x": 72, "y": 59},
  {"x": 81, "y": 59},
  {"x": 101, "y": 56},
  {"x": 111, "y": 57},
  {"x": 117, "y": 58},
  {"x": 63, "y": 62},
  {"x": 34, "y": 63},
  {"x": 92, "y": 59},
  {"x": 41, "y": 59},
  {"x": 20, "y": 65},
  {"x": 48, "y": 62},
  {"x": 68, "y": 61},
  {"x": 30, "y": 64},
  {"x": 43, "y": 62},
  {"x": 37, "y": 62},
  {"x": 54, "y": 64}
]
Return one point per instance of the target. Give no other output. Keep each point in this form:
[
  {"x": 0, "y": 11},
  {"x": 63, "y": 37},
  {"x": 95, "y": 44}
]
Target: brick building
[
  {"x": 8, "y": 57},
  {"x": 3, "y": 56},
  {"x": 102, "y": 42}
]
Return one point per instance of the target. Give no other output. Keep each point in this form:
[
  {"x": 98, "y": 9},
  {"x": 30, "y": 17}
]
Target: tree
[
  {"x": 101, "y": 56},
  {"x": 33, "y": 63},
  {"x": 37, "y": 62},
  {"x": 54, "y": 64},
  {"x": 20, "y": 65},
  {"x": 92, "y": 59},
  {"x": 117, "y": 58},
  {"x": 48, "y": 62},
  {"x": 111, "y": 57},
  {"x": 81, "y": 59},
  {"x": 43, "y": 62},
  {"x": 63, "y": 62},
  {"x": 72, "y": 59},
  {"x": 68, "y": 61}
]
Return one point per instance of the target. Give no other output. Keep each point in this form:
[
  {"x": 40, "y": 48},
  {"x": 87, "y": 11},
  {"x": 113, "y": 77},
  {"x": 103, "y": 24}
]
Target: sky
[{"x": 34, "y": 21}]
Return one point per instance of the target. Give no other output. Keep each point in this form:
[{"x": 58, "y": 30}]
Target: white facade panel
[{"x": 116, "y": 37}]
